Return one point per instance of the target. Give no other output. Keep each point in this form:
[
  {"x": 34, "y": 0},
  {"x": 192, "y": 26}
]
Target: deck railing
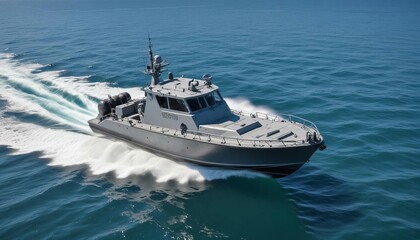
[
  {"x": 255, "y": 142},
  {"x": 305, "y": 124},
  {"x": 251, "y": 142}
]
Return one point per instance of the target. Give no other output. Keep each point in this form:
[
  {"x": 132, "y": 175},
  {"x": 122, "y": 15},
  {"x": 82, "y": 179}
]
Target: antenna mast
[
  {"x": 154, "y": 68},
  {"x": 150, "y": 51}
]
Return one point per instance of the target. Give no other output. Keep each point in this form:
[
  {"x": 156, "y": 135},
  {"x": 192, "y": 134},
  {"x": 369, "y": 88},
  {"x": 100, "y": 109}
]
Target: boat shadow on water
[
  {"x": 323, "y": 201},
  {"x": 227, "y": 202},
  {"x": 235, "y": 206}
]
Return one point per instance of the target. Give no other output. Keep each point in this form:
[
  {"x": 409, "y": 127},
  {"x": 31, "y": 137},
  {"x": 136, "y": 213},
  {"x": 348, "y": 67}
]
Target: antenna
[
  {"x": 150, "y": 50},
  {"x": 156, "y": 65}
]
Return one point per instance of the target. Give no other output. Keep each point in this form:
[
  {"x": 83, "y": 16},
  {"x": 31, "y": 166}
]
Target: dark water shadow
[
  {"x": 306, "y": 202},
  {"x": 236, "y": 207},
  {"x": 242, "y": 206},
  {"x": 325, "y": 203}
]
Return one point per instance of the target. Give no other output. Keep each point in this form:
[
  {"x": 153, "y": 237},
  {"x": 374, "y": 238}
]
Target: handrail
[
  {"x": 240, "y": 141},
  {"x": 255, "y": 142},
  {"x": 292, "y": 118},
  {"x": 305, "y": 124}
]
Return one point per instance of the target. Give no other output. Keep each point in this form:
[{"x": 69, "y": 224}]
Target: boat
[{"x": 187, "y": 119}]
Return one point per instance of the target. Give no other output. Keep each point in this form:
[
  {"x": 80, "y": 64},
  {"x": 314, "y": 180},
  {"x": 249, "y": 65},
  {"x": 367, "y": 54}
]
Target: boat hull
[{"x": 275, "y": 161}]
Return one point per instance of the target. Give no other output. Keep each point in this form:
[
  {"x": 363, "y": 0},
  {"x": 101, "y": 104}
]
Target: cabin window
[
  {"x": 202, "y": 102},
  {"x": 163, "y": 102},
  {"x": 194, "y": 104},
  {"x": 213, "y": 97},
  {"x": 210, "y": 99},
  {"x": 177, "y": 104},
  {"x": 217, "y": 96}
]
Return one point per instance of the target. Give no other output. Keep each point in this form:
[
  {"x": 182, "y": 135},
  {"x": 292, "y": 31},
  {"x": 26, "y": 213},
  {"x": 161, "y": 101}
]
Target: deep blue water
[{"x": 352, "y": 67}]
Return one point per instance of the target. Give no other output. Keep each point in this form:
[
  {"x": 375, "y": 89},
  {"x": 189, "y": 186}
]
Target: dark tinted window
[
  {"x": 210, "y": 99},
  {"x": 193, "y": 104},
  {"x": 202, "y": 102},
  {"x": 213, "y": 98},
  {"x": 217, "y": 96},
  {"x": 177, "y": 104},
  {"x": 163, "y": 103}
]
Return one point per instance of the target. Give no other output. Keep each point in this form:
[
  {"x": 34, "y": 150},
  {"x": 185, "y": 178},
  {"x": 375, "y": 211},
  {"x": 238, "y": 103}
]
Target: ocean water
[{"x": 351, "y": 67}]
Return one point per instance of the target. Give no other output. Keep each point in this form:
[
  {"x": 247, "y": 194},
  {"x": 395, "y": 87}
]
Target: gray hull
[{"x": 275, "y": 161}]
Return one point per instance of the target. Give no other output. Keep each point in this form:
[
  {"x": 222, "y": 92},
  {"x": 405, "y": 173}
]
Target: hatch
[{"x": 239, "y": 127}]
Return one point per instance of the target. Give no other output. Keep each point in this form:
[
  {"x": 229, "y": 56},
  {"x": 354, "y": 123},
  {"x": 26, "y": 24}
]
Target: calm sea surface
[{"x": 352, "y": 67}]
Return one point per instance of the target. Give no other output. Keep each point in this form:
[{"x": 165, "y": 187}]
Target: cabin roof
[{"x": 179, "y": 87}]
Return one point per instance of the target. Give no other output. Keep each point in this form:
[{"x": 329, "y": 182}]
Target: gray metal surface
[{"x": 188, "y": 119}]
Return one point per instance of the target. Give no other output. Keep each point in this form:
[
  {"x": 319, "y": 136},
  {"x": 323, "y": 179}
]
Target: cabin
[
  {"x": 179, "y": 103},
  {"x": 183, "y": 103}
]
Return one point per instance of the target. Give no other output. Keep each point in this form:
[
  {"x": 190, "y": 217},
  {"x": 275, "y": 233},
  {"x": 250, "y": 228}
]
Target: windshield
[
  {"x": 209, "y": 99},
  {"x": 213, "y": 98},
  {"x": 177, "y": 104},
  {"x": 194, "y": 104}
]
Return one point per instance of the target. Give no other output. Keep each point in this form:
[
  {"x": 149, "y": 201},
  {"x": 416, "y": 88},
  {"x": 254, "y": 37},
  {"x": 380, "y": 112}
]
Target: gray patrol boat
[{"x": 188, "y": 120}]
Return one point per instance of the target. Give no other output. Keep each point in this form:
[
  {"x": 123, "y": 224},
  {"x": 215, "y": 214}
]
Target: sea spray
[{"x": 29, "y": 90}]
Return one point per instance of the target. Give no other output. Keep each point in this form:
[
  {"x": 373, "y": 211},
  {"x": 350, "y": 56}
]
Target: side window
[
  {"x": 210, "y": 99},
  {"x": 217, "y": 96},
  {"x": 177, "y": 104},
  {"x": 213, "y": 98},
  {"x": 163, "y": 103},
  {"x": 193, "y": 104},
  {"x": 202, "y": 102}
]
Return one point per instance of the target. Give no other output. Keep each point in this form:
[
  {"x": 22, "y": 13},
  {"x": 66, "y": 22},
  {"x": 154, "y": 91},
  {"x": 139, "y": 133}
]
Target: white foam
[
  {"x": 243, "y": 104},
  {"x": 66, "y": 148}
]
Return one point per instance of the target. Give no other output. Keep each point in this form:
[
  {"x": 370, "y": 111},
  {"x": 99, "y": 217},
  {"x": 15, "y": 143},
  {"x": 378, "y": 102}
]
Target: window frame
[
  {"x": 159, "y": 103},
  {"x": 213, "y": 98},
  {"x": 198, "y": 104},
  {"x": 177, "y": 99}
]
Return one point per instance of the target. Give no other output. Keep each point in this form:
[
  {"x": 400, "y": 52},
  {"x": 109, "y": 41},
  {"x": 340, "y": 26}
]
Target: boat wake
[{"x": 44, "y": 111}]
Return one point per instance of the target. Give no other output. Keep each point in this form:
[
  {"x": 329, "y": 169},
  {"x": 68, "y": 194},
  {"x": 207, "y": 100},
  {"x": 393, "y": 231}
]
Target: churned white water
[{"x": 27, "y": 90}]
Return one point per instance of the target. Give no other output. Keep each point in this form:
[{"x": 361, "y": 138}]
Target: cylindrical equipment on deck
[{"x": 104, "y": 108}]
